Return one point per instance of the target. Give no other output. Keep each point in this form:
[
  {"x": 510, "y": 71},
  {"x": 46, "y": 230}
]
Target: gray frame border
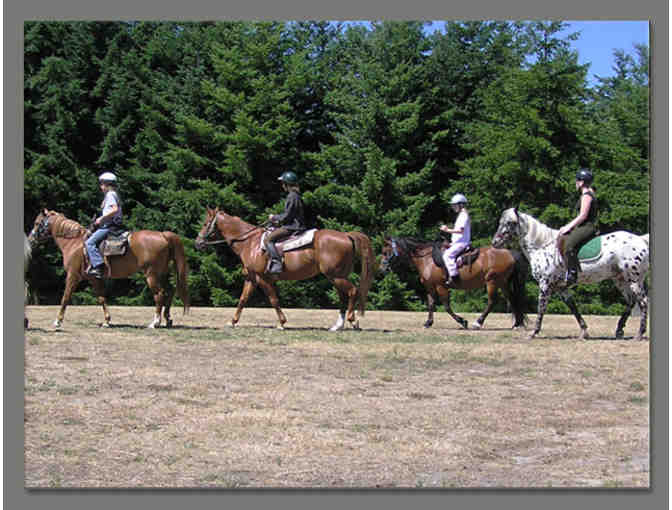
[{"x": 16, "y": 12}]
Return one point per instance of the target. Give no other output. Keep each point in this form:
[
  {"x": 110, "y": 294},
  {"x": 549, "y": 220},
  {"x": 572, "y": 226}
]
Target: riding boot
[
  {"x": 452, "y": 280},
  {"x": 276, "y": 262},
  {"x": 97, "y": 272}
]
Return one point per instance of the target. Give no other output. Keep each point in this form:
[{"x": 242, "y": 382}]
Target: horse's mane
[
  {"x": 63, "y": 226},
  {"x": 537, "y": 233},
  {"x": 412, "y": 245}
]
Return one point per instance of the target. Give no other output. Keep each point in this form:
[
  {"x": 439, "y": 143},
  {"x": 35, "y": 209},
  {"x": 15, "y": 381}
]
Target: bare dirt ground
[{"x": 394, "y": 405}]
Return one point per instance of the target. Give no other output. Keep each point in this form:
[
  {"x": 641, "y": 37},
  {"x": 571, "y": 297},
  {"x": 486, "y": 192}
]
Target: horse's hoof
[
  {"x": 428, "y": 324},
  {"x": 281, "y": 327},
  {"x": 620, "y": 334},
  {"x": 355, "y": 326},
  {"x": 25, "y": 323},
  {"x": 583, "y": 335},
  {"x": 476, "y": 325},
  {"x": 465, "y": 325},
  {"x": 169, "y": 323},
  {"x": 105, "y": 325}
]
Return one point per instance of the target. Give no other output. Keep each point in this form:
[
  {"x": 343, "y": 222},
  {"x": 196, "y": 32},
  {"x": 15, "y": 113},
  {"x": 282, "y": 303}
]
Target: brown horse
[
  {"x": 149, "y": 251},
  {"x": 331, "y": 253},
  {"x": 494, "y": 268}
]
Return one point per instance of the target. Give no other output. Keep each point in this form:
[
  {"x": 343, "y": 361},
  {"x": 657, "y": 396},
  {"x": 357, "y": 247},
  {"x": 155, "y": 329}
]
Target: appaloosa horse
[
  {"x": 331, "y": 253},
  {"x": 148, "y": 251},
  {"x": 624, "y": 259},
  {"x": 491, "y": 267}
]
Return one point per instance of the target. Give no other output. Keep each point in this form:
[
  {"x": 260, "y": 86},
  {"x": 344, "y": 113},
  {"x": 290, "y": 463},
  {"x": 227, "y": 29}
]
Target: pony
[
  {"x": 624, "y": 259},
  {"x": 331, "y": 253},
  {"x": 148, "y": 251},
  {"x": 493, "y": 268},
  {"x": 27, "y": 253}
]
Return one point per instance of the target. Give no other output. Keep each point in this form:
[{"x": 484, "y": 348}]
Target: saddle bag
[{"x": 116, "y": 243}]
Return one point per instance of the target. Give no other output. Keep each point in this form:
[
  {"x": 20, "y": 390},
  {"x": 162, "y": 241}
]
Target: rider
[
  {"x": 460, "y": 237},
  {"x": 581, "y": 228},
  {"x": 109, "y": 219},
  {"x": 291, "y": 220}
]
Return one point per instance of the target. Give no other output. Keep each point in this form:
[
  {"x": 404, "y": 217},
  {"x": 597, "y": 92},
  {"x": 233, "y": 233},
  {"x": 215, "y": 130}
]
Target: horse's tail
[
  {"x": 365, "y": 251},
  {"x": 521, "y": 270},
  {"x": 181, "y": 267}
]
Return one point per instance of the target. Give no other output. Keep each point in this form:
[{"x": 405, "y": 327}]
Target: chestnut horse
[
  {"x": 494, "y": 268},
  {"x": 149, "y": 251},
  {"x": 331, "y": 253}
]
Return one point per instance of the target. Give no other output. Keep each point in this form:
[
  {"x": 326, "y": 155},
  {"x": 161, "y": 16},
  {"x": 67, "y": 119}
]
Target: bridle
[{"x": 212, "y": 230}]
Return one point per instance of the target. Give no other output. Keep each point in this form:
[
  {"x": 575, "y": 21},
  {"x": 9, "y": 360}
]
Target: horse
[
  {"x": 493, "y": 268},
  {"x": 148, "y": 251},
  {"x": 331, "y": 253},
  {"x": 27, "y": 252},
  {"x": 624, "y": 259}
]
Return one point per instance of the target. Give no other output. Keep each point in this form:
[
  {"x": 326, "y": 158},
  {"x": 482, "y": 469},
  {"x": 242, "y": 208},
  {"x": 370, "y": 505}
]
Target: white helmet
[
  {"x": 107, "y": 177},
  {"x": 459, "y": 198}
]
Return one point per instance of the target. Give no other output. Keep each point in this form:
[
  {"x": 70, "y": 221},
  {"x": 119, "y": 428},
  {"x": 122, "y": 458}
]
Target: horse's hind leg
[
  {"x": 634, "y": 291},
  {"x": 159, "y": 295},
  {"x": 169, "y": 292},
  {"x": 347, "y": 292}
]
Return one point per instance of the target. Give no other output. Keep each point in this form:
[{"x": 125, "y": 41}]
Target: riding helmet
[
  {"x": 108, "y": 177},
  {"x": 289, "y": 178},
  {"x": 584, "y": 175},
  {"x": 459, "y": 198}
]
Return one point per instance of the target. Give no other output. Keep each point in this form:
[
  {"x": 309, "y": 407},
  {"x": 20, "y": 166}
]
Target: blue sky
[{"x": 599, "y": 39}]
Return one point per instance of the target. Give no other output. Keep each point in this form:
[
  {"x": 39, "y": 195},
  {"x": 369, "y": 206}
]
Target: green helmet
[{"x": 289, "y": 178}]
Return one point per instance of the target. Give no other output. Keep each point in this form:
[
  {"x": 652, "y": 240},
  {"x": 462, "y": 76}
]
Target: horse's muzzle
[{"x": 199, "y": 244}]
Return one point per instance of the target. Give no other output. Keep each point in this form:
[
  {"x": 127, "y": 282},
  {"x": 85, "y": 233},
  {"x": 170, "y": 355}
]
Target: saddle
[
  {"x": 297, "y": 240},
  {"x": 590, "y": 251},
  {"x": 465, "y": 258},
  {"x": 114, "y": 245}
]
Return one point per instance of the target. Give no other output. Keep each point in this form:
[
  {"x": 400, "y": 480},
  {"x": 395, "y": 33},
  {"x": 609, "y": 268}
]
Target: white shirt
[
  {"x": 111, "y": 199},
  {"x": 464, "y": 222}
]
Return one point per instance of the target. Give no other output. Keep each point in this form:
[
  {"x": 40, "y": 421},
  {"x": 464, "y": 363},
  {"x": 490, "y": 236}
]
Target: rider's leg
[{"x": 276, "y": 260}]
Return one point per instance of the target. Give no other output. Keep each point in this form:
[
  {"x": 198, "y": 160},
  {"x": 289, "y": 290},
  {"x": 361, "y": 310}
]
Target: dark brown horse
[
  {"x": 149, "y": 251},
  {"x": 331, "y": 253},
  {"x": 493, "y": 268}
]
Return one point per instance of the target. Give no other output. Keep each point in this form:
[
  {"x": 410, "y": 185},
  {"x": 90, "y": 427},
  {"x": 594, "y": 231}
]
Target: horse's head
[
  {"x": 390, "y": 253},
  {"x": 41, "y": 229},
  {"x": 509, "y": 228},
  {"x": 209, "y": 230}
]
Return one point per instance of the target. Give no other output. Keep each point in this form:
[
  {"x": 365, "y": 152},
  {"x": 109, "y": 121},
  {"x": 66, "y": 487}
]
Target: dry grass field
[{"x": 394, "y": 405}]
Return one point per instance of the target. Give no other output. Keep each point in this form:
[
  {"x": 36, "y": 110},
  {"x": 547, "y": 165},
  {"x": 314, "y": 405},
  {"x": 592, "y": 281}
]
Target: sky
[{"x": 599, "y": 39}]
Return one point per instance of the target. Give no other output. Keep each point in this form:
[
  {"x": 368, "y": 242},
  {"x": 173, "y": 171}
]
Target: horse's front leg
[
  {"x": 248, "y": 288},
  {"x": 569, "y": 301},
  {"x": 492, "y": 298},
  {"x": 444, "y": 296},
  {"x": 99, "y": 290},
  {"x": 431, "y": 305},
  {"x": 544, "y": 296},
  {"x": 71, "y": 281},
  {"x": 272, "y": 295}
]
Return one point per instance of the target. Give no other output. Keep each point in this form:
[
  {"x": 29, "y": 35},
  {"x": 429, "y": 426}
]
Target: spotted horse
[{"x": 624, "y": 259}]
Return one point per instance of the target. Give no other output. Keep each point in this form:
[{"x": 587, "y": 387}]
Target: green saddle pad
[{"x": 591, "y": 249}]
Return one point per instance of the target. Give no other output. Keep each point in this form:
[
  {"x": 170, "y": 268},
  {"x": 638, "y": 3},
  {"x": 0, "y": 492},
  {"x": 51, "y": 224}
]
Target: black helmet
[
  {"x": 584, "y": 175},
  {"x": 289, "y": 178}
]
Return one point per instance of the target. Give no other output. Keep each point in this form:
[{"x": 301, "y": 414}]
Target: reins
[{"x": 212, "y": 229}]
